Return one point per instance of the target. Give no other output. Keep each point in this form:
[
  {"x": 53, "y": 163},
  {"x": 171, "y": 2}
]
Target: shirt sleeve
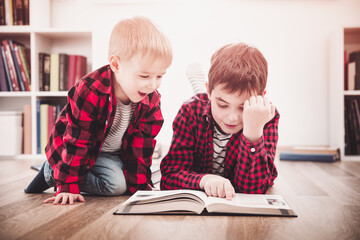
[
  {"x": 77, "y": 137},
  {"x": 176, "y": 167},
  {"x": 254, "y": 170},
  {"x": 139, "y": 154}
]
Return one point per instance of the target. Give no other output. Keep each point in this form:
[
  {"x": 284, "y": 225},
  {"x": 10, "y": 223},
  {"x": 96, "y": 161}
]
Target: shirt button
[
  {"x": 252, "y": 150},
  {"x": 106, "y": 122},
  {"x": 109, "y": 98}
]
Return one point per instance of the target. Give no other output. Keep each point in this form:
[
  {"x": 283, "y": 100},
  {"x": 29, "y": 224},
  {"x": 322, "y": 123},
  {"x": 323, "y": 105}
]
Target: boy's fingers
[
  {"x": 229, "y": 190},
  {"x": 57, "y": 199},
  {"x": 71, "y": 200},
  {"x": 259, "y": 100},
  {"x": 64, "y": 200},
  {"x": 49, "y": 200},
  {"x": 81, "y": 198}
]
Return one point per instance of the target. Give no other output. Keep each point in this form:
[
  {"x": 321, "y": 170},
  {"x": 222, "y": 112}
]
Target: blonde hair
[
  {"x": 139, "y": 35},
  {"x": 241, "y": 67}
]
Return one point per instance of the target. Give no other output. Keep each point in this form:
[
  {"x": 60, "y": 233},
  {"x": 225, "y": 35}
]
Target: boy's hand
[
  {"x": 257, "y": 112},
  {"x": 65, "y": 197},
  {"x": 217, "y": 186}
]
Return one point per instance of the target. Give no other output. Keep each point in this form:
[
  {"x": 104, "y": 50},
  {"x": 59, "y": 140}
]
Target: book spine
[
  {"x": 6, "y": 68},
  {"x": 43, "y": 126},
  {"x": 8, "y": 12},
  {"x": 46, "y": 72},
  {"x": 26, "y": 65},
  {"x": 11, "y": 65},
  {"x": 27, "y": 129},
  {"x": 3, "y": 80},
  {"x": 63, "y": 72},
  {"x": 26, "y": 9},
  {"x": 307, "y": 157},
  {"x": 21, "y": 67},
  {"x": 18, "y": 12},
  {"x": 2, "y": 13},
  {"x": 354, "y": 57},
  {"x": 38, "y": 130},
  {"x": 17, "y": 68},
  {"x": 71, "y": 70},
  {"x": 54, "y": 72},
  {"x": 51, "y": 119}
]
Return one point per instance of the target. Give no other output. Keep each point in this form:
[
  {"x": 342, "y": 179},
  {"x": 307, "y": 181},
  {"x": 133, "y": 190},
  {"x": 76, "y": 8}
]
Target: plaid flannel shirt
[
  {"x": 249, "y": 166},
  {"x": 80, "y": 131}
]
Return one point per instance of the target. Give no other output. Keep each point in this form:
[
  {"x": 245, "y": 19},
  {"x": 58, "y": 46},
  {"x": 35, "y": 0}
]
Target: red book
[
  {"x": 51, "y": 118},
  {"x": 80, "y": 69},
  {"x": 71, "y": 70},
  {"x": 345, "y": 72},
  {"x": 11, "y": 65},
  {"x": 21, "y": 66}
]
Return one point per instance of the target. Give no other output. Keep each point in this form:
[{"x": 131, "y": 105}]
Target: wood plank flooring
[{"x": 326, "y": 197}]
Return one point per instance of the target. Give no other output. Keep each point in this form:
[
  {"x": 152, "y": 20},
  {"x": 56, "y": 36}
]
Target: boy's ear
[
  {"x": 207, "y": 89},
  {"x": 114, "y": 63}
]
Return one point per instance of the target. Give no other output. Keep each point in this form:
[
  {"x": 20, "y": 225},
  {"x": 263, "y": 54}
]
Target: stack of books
[{"x": 319, "y": 154}]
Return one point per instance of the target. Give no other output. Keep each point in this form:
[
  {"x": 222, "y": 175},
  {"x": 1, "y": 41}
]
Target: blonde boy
[
  {"x": 225, "y": 140},
  {"x": 103, "y": 140}
]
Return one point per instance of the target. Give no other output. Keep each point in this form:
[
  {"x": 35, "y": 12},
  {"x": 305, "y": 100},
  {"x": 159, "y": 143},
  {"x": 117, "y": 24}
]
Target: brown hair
[{"x": 242, "y": 68}]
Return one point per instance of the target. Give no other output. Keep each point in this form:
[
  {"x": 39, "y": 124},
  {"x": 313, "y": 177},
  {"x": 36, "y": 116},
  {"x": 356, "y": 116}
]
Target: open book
[{"x": 197, "y": 202}]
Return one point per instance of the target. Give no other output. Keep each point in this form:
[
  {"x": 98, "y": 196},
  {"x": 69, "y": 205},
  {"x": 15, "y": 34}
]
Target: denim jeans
[{"x": 105, "y": 178}]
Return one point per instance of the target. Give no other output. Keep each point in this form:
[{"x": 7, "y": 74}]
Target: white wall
[{"x": 293, "y": 35}]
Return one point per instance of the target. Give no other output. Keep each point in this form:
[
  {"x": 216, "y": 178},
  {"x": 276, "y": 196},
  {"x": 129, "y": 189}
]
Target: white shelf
[
  {"x": 41, "y": 37},
  {"x": 347, "y": 38}
]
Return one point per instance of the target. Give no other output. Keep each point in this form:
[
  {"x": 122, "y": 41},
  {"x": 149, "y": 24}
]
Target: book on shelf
[
  {"x": 14, "y": 12},
  {"x": 3, "y": 80},
  {"x": 43, "y": 126},
  {"x": 54, "y": 72},
  {"x": 27, "y": 129},
  {"x": 352, "y": 125},
  {"x": 6, "y": 69},
  {"x": 77, "y": 69},
  {"x": 63, "y": 71},
  {"x": 197, "y": 202},
  {"x": 11, "y": 65},
  {"x": 309, "y": 156},
  {"x": 2, "y": 13},
  {"x": 24, "y": 80},
  {"x": 354, "y": 71},
  {"x": 44, "y": 71}
]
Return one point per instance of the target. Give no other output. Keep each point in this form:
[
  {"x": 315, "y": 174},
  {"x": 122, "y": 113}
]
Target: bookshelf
[
  {"x": 347, "y": 39},
  {"x": 39, "y": 36}
]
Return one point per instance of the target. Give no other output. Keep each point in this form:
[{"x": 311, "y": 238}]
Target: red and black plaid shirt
[
  {"x": 249, "y": 166},
  {"x": 84, "y": 123}
]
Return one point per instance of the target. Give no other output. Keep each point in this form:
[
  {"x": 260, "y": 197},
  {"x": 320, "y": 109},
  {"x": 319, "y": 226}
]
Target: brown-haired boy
[
  {"x": 103, "y": 140},
  {"x": 224, "y": 141}
]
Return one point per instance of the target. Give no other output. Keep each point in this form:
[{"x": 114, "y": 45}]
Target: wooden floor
[{"x": 325, "y": 196}]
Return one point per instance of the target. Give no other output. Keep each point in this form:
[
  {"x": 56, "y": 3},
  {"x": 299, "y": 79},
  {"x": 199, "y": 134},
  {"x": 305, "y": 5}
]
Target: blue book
[{"x": 316, "y": 157}]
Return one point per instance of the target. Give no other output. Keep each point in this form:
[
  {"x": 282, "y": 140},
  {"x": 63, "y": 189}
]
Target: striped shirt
[
  {"x": 121, "y": 122},
  {"x": 220, "y": 140}
]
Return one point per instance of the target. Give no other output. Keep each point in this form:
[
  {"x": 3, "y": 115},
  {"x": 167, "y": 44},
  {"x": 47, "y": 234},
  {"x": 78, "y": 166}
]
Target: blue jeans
[{"x": 105, "y": 178}]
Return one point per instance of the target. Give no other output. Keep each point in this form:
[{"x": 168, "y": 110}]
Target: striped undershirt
[
  {"x": 121, "y": 122},
  {"x": 220, "y": 140},
  {"x": 197, "y": 78}
]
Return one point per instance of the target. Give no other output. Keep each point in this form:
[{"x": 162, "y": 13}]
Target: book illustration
[{"x": 196, "y": 202}]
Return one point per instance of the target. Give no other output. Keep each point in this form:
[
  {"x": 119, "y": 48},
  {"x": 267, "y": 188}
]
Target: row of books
[
  {"x": 60, "y": 71},
  {"x": 14, "y": 12},
  {"x": 46, "y": 115},
  {"x": 352, "y": 125},
  {"x": 311, "y": 153},
  {"x": 14, "y": 66},
  {"x": 352, "y": 71}
]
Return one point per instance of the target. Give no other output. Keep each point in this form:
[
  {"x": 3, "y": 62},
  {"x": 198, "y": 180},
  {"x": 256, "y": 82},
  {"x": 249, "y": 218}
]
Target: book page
[
  {"x": 154, "y": 196},
  {"x": 251, "y": 201}
]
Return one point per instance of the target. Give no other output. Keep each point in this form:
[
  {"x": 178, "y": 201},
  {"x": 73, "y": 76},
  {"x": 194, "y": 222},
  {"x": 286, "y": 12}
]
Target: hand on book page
[{"x": 217, "y": 186}]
